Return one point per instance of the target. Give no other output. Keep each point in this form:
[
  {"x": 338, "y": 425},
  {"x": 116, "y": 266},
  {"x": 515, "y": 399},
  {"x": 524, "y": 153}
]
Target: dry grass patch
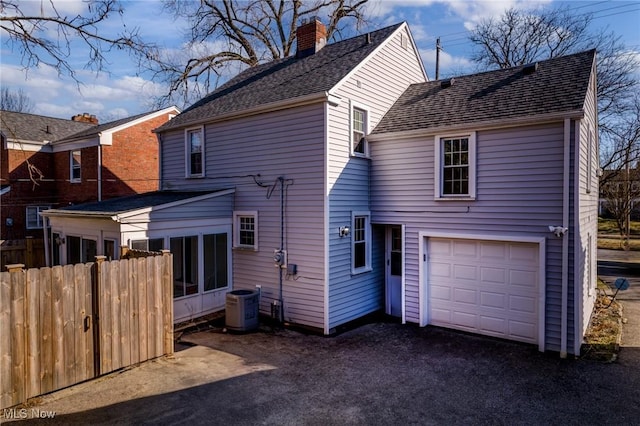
[
  {"x": 616, "y": 244},
  {"x": 602, "y": 340}
]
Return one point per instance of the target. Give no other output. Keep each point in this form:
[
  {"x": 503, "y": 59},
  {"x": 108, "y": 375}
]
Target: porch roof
[{"x": 134, "y": 203}]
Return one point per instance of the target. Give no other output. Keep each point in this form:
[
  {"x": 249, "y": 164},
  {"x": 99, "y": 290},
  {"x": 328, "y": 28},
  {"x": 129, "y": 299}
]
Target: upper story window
[
  {"x": 455, "y": 175},
  {"x": 34, "y": 220},
  {"x": 359, "y": 128},
  {"x": 360, "y": 243},
  {"x": 75, "y": 166},
  {"x": 195, "y": 152},
  {"x": 245, "y": 234}
]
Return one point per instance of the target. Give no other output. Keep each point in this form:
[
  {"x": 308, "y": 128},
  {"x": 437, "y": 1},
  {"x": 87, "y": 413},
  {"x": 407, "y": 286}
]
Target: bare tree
[
  {"x": 47, "y": 36},
  {"x": 228, "y": 35},
  {"x": 16, "y": 101},
  {"x": 620, "y": 184},
  {"x": 519, "y": 37}
]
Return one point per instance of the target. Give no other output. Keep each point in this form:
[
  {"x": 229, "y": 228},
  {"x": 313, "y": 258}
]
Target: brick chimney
[
  {"x": 311, "y": 37},
  {"x": 85, "y": 118}
]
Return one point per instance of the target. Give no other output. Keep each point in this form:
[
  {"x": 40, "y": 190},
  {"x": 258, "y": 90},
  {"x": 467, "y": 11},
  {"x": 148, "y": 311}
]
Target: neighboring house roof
[
  {"x": 20, "y": 126},
  {"x": 557, "y": 85},
  {"x": 120, "y": 205},
  {"x": 284, "y": 79},
  {"x": 113, "y": 125}
]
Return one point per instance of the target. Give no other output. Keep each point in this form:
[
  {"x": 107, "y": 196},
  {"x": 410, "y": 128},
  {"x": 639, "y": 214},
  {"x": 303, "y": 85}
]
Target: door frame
[{"x": 387, "y": 269}]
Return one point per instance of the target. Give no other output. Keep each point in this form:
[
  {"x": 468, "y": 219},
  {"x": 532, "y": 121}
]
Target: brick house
[{"x": 72, "y": 161}]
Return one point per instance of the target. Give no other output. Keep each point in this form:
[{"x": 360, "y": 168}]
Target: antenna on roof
[{"x": 368, "y": 38}]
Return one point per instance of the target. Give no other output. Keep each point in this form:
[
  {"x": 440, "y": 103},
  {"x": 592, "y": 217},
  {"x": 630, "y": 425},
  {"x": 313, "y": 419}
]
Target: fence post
[
  {"x": 18, "y": 338},
  {"x": 167, "y": 296},
  {"x": 96, "y": 287},
  {"x": 29, "y": 255}
]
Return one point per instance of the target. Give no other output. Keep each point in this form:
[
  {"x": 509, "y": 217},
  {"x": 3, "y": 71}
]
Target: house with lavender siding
[{"x": 340, "y": 182}]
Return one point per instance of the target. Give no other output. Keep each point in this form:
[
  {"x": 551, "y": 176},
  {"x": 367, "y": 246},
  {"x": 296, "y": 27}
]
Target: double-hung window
[
  {"x": 360, "y": 243},
  {"x": 195, "y": 152},
  {"x": 455, "y": 162},
  {"x": 34, "y": 220},
  {"x": 75, "y": 166},
  {"x": 245, "y": 234},
  {"x": 359, "y": 128}
]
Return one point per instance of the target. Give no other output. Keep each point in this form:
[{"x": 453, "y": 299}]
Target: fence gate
[{"x": 63, "y": 325}]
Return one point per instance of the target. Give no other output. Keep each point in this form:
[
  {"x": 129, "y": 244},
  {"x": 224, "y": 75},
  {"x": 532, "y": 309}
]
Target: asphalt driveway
[{"x": 378, "y": 374}]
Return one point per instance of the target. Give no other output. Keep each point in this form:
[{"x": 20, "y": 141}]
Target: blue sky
[{"x": 122, "y": 92}]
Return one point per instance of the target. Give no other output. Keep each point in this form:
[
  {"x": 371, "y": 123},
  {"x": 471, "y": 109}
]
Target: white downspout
[
  {"x": 564, "y": 321},
  {"x": 578, "y": 278}
]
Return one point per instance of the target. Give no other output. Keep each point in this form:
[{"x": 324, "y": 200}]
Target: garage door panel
[
  {"x": 464, "y": 319},
  {"x": 475, "y": 286},
  {"x": 523, "y": 278},
  {"x": 492, "y": 300},
  {"x": 494, "y": 326},
  {"x": 466, "y": 249},
  {"x": 465, "y": 272},
  {"x": 523, "y": 304},
  {"x": 439, "y": 269},
  {"x": 441, "y": 293},
  {"x": 493, "y": 275},
  {"x": 524, "y": 330},
  {"x": 464, "y": 295},
  {"x": 492, "y": 251}
]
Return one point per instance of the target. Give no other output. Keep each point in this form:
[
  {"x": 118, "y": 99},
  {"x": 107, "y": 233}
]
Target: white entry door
[
  {"x": 394, "y": 271},
  {"x": 486, "y": 287}
]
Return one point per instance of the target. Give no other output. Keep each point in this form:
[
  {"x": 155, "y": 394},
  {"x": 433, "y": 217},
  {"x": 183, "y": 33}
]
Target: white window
[
  {"x": 75, "y": 166},
  {"x": 455, "y": 163},
  {"x": 359, "y": 128},
  {"x": 34, "y": 220},
  {"x": 360, "y": 243},
  {"x": 245, "y": 233},
  {"x": 194, "y": 152},
  {"x": 80, "y": 250}
]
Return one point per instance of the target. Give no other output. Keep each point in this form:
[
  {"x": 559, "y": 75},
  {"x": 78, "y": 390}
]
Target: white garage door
[{"x": 486, "y": 287}]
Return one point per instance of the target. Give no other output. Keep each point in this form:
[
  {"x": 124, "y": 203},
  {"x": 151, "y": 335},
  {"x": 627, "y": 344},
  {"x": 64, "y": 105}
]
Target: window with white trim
[
  {"x": 75, "y": 166},
  {"x": 455, "y": 162},
  {"x": 80, "y": 250},
  {"x": 245, "y": 232},
  {"x": 359, "y": 128},
  {"x": 194, "y": 152},
  {"x": 34, "y": 220},
  {"x": 360, "y": 242}
]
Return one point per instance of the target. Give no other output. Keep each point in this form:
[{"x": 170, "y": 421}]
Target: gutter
[
  {"x": 478, "y": 125},
  {"x": 271, "y": 106}
]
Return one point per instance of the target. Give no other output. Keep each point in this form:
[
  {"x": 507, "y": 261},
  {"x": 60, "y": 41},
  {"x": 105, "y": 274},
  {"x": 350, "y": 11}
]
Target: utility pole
[{"x": 438, "y": 49}]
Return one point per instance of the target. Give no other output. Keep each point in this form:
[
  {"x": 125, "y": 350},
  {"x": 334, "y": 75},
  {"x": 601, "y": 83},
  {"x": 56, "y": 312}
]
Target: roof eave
[
  {"x": 479, "y": 125},
  {"x": 312, "y": 98},
  {"x": 76, "y": 213}
]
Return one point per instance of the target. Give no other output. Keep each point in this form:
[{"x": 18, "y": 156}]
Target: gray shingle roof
[
  {"x": 95, "y": 130},
  {"x": 558, "y": 85},
  {"x": 132, "y": 202},
  {"x": 37, "y": 128},
  {"x": 283, "y": 79}
]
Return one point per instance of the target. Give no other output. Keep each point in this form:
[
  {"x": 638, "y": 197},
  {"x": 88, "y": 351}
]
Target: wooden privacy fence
[
  {"x": 29, "y": 252},
  {"x": 63, "y": 325}
]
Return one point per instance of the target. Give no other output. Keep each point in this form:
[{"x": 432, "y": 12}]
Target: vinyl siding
[
  {"x": 352, "y": 296},
  {"x": 586, "y": 215},
  {"x": 287, "y": 143},
  {"x": 519, "y": 193}
]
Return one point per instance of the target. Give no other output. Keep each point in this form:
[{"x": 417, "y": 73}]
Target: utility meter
[{"x": 280, "y": 258}]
